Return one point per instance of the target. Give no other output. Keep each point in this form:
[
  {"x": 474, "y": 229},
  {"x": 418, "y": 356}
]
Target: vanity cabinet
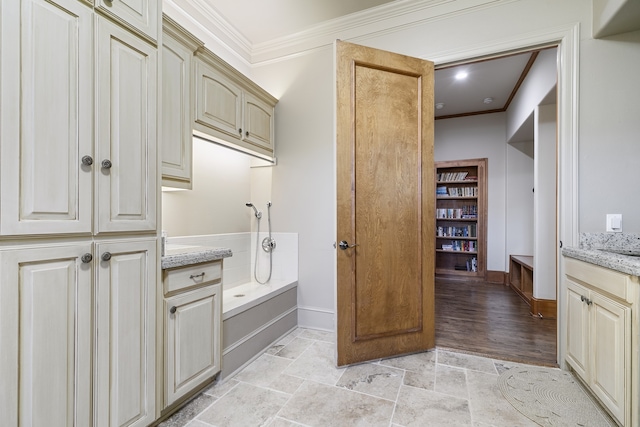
[
  {"x": 601, "y": 347},
  {"x": 140, "y": 16},
  {"x": 178, "y": 46},
  {"x": 193, "y": 320},
  {"x": 231, "y": 108}
]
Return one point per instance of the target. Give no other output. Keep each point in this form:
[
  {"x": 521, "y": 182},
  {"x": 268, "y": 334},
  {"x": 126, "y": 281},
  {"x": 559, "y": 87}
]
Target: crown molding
[{"x": 386, "y": 18}]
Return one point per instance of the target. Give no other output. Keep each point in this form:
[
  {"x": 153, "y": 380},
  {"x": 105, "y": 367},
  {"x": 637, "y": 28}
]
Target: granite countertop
[
  {"x": 183, "y": 255},
  {"x": 593, "y": 249}
]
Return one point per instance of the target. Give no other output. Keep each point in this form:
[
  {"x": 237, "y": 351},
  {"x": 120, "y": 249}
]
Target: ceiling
[{"x": 264, "y": 21}]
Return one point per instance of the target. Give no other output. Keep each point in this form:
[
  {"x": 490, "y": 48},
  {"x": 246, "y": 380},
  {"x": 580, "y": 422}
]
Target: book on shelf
[
  {"x": 464, "y": 231},
  {"x": 459, "y": 192},
  {"x": 467, "y": 212},
  {"x": 441, "y": 190},
  {"x": 460, "y": 246},
  {"x": 452, "y": 176}
]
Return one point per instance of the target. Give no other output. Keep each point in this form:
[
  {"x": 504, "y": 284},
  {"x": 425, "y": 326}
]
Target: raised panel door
[
  {"x": 46, "y": 114},
  {"x": 125, "y": 321},
  {"x": 193, "y": 351},
  {"x": 141, "y": 16},
  {"x": 127, "y": 137},
  {"x": 577, "y": 329},
  {"x": 258, "y": 123},
  {"x": 218, "y": 101},
  {"x": 610, "y": 353},
  {"x": 45, "y": 336},
  {"x": 177, "y": 122}
]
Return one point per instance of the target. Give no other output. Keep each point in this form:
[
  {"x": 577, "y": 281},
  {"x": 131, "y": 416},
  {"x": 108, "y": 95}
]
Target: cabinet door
[
  {"x": 46, "y": 109},
  {"x": 577, "y": 329},
  {"x": 125, "y": 321},
  {"x": 127, "y": 138},
  {"x": 45, "y": 336},
  {"x": 610, "y": 337},
  {"x": 177, "y": 121},
  {"x": 141, "y": 16},
  {"x": 258, "y": 122},
  {"x": 218, "y": 102},
  {"x": 193, "y": 351}
]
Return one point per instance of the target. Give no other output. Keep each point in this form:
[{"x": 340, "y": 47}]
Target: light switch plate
[{"x": 614, "y": 223}]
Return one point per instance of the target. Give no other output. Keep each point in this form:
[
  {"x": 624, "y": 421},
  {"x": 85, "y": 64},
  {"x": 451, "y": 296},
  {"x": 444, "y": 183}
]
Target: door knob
[
  {"x": 344, "y": 245},
  {"x": 87, "y": 160}
]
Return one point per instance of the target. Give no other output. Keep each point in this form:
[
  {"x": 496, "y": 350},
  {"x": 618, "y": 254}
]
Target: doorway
[{"x": 517, "y": 133}]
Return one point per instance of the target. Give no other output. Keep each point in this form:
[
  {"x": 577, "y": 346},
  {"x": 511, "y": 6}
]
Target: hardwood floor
[{"x": 492, "y": 320}]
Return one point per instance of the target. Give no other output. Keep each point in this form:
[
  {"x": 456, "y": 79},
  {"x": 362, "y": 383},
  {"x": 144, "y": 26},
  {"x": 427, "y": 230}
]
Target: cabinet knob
[
  {"x": 172, "y": 310},
  {"x": 87, "y": 160},
  {"x": 240, "y": 131},
  {"x": 106, "y": 256},
  {"x": 246, "y": 133},
  {"x": 86, "y": 258},
  {"x": 106, "y": 164}
]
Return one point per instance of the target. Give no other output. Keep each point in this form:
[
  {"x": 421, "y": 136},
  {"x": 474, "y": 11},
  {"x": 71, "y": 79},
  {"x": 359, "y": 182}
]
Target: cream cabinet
[
  {"x": 601, "y": 347},
  {"x": 141, "y": 16},
  {"x": 125, "y": 341},
  {"x": 178, "y": 46},
  {"x": 126, "y": 131},
  {"x": 46, "y": 114},
  {"x": 231, "y": 108},
  {"x": 193, "y": 320},
  {"x": 45, "y": 335}
]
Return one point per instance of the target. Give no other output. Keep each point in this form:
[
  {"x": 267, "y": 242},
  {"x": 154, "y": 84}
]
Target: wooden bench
[{"x": 521, "y": 276}]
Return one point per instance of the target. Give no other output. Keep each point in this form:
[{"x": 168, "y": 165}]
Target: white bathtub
[
  {"x": 246, "y": 296},
  {"x": 254, "y": 316}
]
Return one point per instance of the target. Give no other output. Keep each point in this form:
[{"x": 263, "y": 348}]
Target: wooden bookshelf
[{"x": 461, "y": 218}]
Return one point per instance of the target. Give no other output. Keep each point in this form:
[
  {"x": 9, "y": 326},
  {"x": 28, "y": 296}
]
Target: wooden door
[
  {"x": 177, "y": 120},
  {"x": 45, "y": 336},
  {"x": 386, "y": 204},
  {"x": 125, "y": 363},
  {"x": 577, "y": 328},
  {"x": 139, "y": 15},
  {"x": 46, "y": 106},
  {"x": 127, "y": 138},
  {"x": 192, "y": 349},
  {"x": 218, "y": 102},
  {"x": 610, "y": 354}
]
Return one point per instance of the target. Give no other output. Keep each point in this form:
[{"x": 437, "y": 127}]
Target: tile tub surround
[
  {"x": 592, "y": 243},
  {"x": 295, "y": 383},
  {"x": 183, "y": 255}
]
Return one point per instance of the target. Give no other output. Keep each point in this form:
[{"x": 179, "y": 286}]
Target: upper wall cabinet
[
  {"x": 141, "y": 16},
  {"x": 231, "y": 108},
  {"x": 46, "y": 111},
  {"x": 178, "y": 46}
]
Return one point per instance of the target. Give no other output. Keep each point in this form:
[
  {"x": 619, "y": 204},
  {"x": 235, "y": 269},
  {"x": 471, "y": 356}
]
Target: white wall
[
  {"x": 477, "y": 137},
  {"x": 221, "y": 187},
  {"x": 519, "y": 182},
  {"x": 545, "y": 246}
]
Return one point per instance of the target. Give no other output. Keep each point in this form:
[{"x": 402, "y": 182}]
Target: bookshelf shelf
[{"x": 461, "y": 212}]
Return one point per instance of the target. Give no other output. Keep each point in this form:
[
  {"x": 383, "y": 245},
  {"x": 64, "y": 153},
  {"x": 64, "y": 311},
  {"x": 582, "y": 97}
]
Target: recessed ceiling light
[
  {"x": 439, "y": 105},
  {"x": 461, "y": 75},
  {"x": 488, "y": 100}
]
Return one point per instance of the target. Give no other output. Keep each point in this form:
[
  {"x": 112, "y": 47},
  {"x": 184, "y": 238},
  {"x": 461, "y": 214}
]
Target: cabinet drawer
[
  {"x": 612, "y": 282},
  {"x": 180, "y": 279}
]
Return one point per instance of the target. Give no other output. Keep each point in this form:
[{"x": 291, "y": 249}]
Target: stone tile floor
[{"x": 295, "y": 383}]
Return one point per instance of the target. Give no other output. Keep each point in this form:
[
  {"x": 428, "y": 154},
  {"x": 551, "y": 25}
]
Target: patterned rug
[{"x": 550, "y": 397}]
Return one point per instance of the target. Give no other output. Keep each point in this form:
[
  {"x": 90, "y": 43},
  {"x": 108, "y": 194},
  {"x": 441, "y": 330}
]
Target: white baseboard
[{"x": 316, "y": 318}]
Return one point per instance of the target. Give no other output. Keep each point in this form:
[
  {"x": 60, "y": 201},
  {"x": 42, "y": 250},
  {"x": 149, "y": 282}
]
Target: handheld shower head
[{"x": 257, "y": 213}]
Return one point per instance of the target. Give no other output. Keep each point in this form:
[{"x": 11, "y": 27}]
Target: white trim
[{"x": 316, "y": 318}]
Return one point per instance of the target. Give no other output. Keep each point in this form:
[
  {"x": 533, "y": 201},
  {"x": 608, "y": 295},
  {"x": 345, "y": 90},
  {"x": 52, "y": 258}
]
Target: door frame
[{"x": 567, "y": 39}]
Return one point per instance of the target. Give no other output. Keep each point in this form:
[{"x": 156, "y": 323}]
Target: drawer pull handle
[
  {"x": 195, "y": 276},
  {"x": 172, "y": 310}
]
